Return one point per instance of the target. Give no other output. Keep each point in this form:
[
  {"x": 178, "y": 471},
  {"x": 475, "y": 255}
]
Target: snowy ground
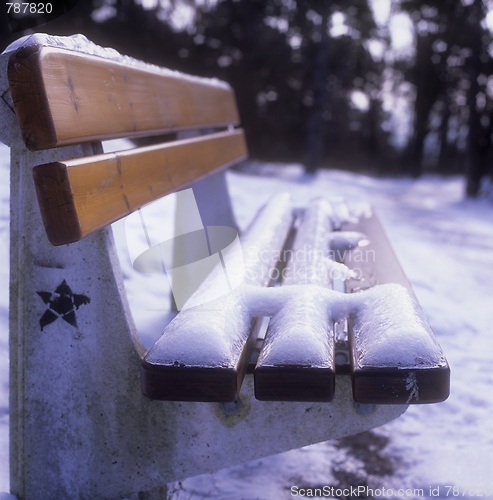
[{"x": 445, "y": 245}]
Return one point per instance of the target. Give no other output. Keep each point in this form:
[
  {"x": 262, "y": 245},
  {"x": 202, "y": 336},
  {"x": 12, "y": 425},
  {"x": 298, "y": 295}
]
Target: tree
[
  {"x": 475, "y": 168},
  {"x": 292, "y": 76},
  {"x": 449, "y": 75},
  {"x": 315, "y": 125}
]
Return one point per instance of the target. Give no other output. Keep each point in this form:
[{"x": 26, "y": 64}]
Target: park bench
[{"x": 92, "y": 413}]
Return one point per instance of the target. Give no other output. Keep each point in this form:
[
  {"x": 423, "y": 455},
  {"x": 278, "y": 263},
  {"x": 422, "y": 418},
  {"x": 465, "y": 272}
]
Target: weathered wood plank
[
  {"x": 376, "y": 261},
  {"x": 428, "y": 381},
  {"x": 296, "y": 362},
  {"x": 78, "y": 197},
  {"x": 204, "y": 352},
  {"x": 63, "y": 97}
]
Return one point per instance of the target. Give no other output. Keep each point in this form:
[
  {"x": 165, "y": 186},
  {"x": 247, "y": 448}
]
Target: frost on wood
[
  {"x": 307, "y": 263},
  {"x": 79, "y": 43},
  {"x": 345, "y": 240},
  {"x": 300, "y": 331},
  {"x": 301, "y": 319},
  {"x": 390, "y": 330},
  {"x": 214, "y": 333}
]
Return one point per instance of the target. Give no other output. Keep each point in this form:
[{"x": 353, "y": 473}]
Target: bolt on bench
[{"x": 83, "y": 424}]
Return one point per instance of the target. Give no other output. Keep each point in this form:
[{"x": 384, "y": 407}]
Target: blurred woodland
[{"x": 316, "y": 80}]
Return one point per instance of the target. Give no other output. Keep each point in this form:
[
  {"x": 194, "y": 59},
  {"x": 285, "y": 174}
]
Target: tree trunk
[
  {"x": 315, "y": 143},
  {"x": 474, "y": 170},
  {"x": 443, "y": 158},
  {"x": 427, "y": 86}
]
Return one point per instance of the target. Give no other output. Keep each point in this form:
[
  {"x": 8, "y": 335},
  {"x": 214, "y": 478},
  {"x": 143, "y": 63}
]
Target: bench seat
[{"x": 393, "y": 353}]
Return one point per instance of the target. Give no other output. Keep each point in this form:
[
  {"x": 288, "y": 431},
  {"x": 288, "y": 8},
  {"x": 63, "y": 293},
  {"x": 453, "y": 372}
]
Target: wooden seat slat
[
  {"x": 78, "y": 197},
  {"x": 63, "y": 97},
  {"x": 428, "y": 381},
  {"x": 310, "y": 374},
  {"x": 204, "y": 352}
]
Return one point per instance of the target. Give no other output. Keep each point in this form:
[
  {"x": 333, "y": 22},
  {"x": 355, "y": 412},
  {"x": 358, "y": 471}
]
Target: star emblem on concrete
[{"x": 61, "y": 304}]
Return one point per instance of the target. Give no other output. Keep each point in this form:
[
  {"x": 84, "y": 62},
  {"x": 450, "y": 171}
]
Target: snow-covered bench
[{"x": 81, "y": 426}]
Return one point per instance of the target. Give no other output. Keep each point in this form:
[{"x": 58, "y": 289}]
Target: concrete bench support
[{"x": 80, "y": 426}]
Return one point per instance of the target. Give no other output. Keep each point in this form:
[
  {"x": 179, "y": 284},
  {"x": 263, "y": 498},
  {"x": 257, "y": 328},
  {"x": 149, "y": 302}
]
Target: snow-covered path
[{"x": 445, "y": 245}]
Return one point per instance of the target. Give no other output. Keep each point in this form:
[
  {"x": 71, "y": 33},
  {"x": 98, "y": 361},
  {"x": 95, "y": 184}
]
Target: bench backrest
[{"x": 62, "y": 97}]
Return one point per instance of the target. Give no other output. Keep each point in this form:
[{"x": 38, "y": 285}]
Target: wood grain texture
[
  {"x": 63, "y": 97},
  {"x": 78, "y": 197},
  {"x": 378, "y": 265},
  {"x": 376, "y": 261},
  {"x": 202, "y": 384}
]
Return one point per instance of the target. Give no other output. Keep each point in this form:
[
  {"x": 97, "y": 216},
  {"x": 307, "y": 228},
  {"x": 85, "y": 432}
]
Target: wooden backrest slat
[
  {"x": 78, "y": 197},
  {"x": 63, "y": 97}
]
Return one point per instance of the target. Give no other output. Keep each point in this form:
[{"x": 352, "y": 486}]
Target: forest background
[{"x": 325, "y": 83}]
